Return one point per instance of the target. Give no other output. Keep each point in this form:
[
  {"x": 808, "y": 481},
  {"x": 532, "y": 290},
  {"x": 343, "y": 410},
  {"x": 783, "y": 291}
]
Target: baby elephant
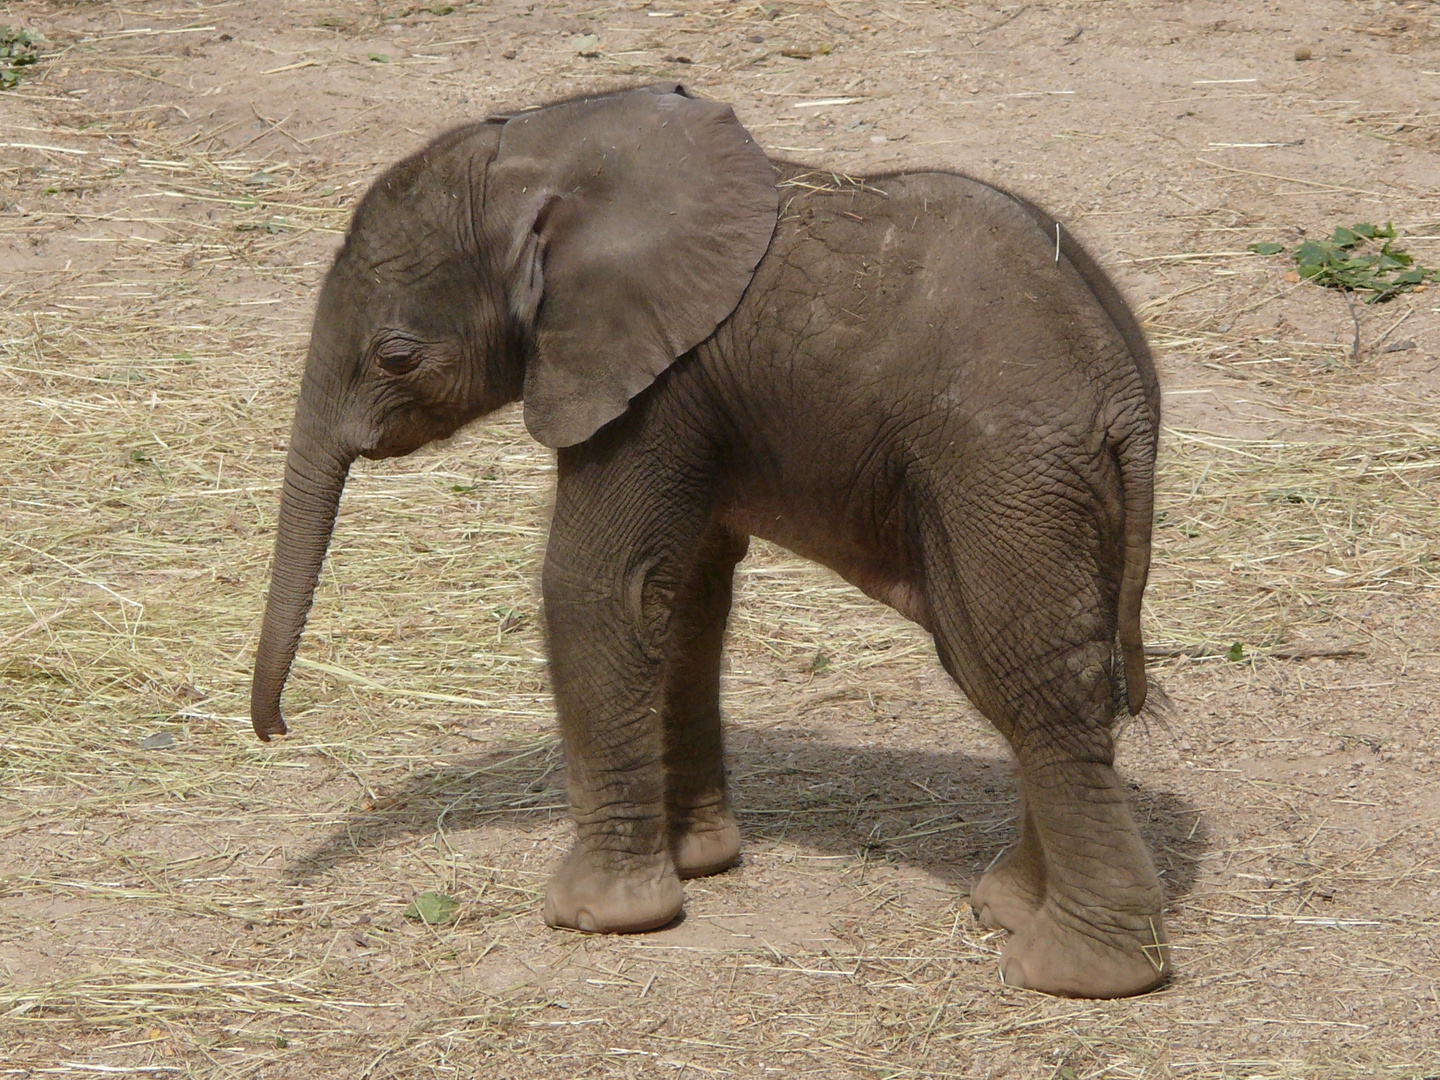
[{"x": 916, "y": 379}]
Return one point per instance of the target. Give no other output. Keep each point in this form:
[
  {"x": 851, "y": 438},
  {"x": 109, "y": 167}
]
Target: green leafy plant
[
  {"x": 18, "y": 50},
  {"x": 432, "y": 908},
  {"x": 1348, "y": 261}
]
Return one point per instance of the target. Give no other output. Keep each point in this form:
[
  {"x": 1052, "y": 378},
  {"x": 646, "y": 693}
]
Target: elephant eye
[{"x": 398, "y": 357}]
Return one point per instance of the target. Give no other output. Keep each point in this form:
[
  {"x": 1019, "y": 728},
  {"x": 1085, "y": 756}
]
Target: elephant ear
[{"x": 635, "y": 222}]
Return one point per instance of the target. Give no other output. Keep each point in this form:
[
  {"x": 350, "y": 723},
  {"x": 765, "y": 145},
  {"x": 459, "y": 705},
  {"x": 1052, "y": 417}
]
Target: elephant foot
[
  {"x": 584, "y": 894},
  {"x": 1056, "y": 955},
  {"x": 1008, "y": 895},
  {"x": 705, "y": 845}
]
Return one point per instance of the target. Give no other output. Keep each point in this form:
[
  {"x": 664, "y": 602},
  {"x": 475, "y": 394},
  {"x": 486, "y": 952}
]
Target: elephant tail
[
  {"x": 1133, "y": 436},
  {"x": 1135, "y": 453}
]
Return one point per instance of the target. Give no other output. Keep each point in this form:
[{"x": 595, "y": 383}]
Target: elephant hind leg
[
  {"x": 1013, "y": 888},
  {"x": 1027, "y": 631},
  {"x": 704, "y": 837}
]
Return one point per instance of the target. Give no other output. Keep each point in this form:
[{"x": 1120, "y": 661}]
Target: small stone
[
  {"x": 1303, "y": 53},
  {"x": 508, "y": 54}
]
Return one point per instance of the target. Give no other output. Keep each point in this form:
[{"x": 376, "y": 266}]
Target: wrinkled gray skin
[{"x": 896, "y": 378}]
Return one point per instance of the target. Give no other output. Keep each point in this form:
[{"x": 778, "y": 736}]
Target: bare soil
[{"x": 177, "y": 899}]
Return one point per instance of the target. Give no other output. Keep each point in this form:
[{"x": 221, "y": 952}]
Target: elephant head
[{"x": 566, "y": 255}]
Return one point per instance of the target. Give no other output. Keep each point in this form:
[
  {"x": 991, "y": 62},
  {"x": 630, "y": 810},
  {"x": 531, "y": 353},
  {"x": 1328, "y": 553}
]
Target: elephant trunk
[{"x": 315, "y": 472}]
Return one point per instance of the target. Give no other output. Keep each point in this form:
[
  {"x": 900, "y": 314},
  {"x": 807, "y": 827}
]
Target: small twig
[
  {"x": 1393, "y": 327},
  {"x": 1355, "y": 348},
  {"x": 38, "y": 624},
  {"x": 1005, "y": 21},
  {"x": 1157, "y": 964},
  {"x": 1116, "y": 176},
  {"x": 1206, "y": 651},
  {"x": 275, "y": 125},
  {"x": 1289, "y": 179}
]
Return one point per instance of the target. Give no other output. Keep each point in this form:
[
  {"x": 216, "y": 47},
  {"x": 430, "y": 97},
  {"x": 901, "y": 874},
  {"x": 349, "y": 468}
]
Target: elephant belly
[{"x": 879, "y": 577}]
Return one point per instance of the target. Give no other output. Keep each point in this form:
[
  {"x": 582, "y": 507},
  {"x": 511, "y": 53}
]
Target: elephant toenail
[{"x": 586, "y": 922}]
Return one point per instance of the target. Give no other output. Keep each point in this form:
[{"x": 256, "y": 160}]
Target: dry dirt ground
[{"x": 177, "y": 899}]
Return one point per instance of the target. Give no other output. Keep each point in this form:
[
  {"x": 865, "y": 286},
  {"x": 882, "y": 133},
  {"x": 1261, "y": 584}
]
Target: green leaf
[
  {"x": 379, "y": 57},
  {"x": 820, "y": 664},
  {"x": 1235, "y": 653},
  {"x": 432, "y": 908},
  {"x": 1394, "y": 257},
  {"x": 1342, "y": 262},
  {"x": 1266, "y": 247},
  {"x": 18, "y": 50}
]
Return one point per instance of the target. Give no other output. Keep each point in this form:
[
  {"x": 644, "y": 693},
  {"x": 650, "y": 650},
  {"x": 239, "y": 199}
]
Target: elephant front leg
[
  {"x": 704, "y": 837},
  {"x": 619, "y": 557},
  {"x": 620, "y": 876}
]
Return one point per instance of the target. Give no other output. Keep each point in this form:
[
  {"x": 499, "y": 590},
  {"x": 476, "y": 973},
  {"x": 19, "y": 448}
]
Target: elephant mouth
[
  {"x": 381, "y": 451},
  {"x": 404, "y": 435}
]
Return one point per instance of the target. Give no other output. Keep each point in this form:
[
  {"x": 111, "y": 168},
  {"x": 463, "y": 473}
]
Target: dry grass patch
[{"x": 1294, "y": 532}]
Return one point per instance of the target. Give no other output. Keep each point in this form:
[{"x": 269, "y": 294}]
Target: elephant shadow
[{"x": 948, "y": 814}]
